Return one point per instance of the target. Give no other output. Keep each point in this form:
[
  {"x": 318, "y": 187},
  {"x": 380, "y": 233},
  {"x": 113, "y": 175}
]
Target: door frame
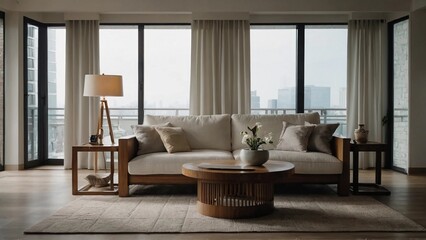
[{"x": 42, "y": 94}]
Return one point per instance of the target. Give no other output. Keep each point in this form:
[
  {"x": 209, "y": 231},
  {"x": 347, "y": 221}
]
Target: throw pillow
[
  {"x": 148, "y": 138},
  {"x": 174, "y": 139},
  {"x": 294, "y": 137},
  {"x": 321, "y": 137}
]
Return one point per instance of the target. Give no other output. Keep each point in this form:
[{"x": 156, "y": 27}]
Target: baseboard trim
[
  {"x": 398, "y": 169},
  {"x": 13, "y": 167},
  {"x": 417, "y": 171}
]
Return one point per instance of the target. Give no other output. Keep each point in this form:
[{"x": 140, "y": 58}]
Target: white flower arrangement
[{"x": 254, "y": 141}]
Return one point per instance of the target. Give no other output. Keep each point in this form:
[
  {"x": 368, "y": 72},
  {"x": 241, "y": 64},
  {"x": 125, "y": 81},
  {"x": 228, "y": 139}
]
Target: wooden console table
[
  {"x": 92, "y": 148},
  {"x": 368, "y": 188}
]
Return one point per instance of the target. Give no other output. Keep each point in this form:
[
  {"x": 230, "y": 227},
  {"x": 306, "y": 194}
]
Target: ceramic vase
[
  {"x": 361, "y": 134},
  {"x": 254, "y": 157}
]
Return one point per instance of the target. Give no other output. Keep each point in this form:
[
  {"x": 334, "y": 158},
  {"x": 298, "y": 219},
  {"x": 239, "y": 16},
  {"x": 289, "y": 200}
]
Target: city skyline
[{"x": 315, "y": 98}]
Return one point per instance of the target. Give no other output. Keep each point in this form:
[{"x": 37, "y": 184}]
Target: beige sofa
[{"x": 217, "y": 137}]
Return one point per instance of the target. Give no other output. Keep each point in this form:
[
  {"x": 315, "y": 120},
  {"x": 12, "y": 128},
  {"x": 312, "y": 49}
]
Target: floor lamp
[{"x": 103, "y": 86}]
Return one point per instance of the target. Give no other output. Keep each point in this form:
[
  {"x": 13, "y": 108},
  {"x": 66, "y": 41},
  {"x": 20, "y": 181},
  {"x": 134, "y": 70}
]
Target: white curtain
[
  {"x": 220, "y": 67},
  {"x": 82, "y": 57},
  {"x": 367, "y": 88}
]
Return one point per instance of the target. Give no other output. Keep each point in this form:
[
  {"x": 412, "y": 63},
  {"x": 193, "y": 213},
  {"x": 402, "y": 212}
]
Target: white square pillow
[
  {"x": 294, "y": 137},
  {"x": 321, "y": 136},
  {"x": 174, "y": 139},
  {"x": 148, "y": 138}
]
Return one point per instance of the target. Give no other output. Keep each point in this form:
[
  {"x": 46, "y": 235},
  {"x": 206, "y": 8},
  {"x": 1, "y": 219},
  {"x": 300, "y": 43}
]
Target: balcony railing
[{"x": 123, "y": 118}]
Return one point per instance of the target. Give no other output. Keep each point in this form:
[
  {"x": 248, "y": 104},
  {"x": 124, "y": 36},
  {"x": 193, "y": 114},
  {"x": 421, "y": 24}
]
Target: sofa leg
[
  {"x": 343, "y": 188},
  {"x": 123, "y": 190}
]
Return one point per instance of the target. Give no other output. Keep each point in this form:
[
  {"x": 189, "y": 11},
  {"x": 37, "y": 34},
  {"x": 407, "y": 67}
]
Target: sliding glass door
[
  {"x": 44, "y": 87},
  {"x": 398, "y": 31}
]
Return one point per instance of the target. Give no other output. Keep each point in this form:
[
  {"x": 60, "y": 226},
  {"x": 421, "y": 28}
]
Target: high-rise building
[
  {"x": 286, "y": 98},
  {"x": 255, "y": 100},
  {"x": 272, "y": 103},
  {"x": 317, "y": 97},
  {"x": 51, "y": 80}
]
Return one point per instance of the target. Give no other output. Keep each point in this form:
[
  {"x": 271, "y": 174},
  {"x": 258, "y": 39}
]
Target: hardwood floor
[{"x": 27, "y": 197}]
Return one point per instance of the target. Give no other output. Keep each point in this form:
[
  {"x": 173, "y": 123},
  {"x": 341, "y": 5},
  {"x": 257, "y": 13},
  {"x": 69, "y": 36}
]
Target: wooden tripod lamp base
[{"x": 103, "y": 105}]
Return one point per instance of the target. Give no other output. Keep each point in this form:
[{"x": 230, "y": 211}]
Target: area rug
[{"x": 162, "y": 213}]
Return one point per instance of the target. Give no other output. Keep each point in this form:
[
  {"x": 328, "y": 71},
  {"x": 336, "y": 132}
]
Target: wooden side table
[
  {"x": 368, "y": 188},
  {"x": 113, "y": 189}
]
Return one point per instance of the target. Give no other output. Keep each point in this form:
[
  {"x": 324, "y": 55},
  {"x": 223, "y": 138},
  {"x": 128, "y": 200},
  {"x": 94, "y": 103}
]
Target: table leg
[
  {"x": 378, "y": 167},
  {"x": 96, "y": 160},
  {"x": 74, "y": 167},
  {"x": 112, "y": 170},
  {"x": 355, "y": 179}
]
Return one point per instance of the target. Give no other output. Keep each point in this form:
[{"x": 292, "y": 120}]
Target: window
[
  {"x": 119, "y": 56},
  {"x": 56, "y": 91},
  {"x": 273, "y": 69},
  {"x": 167, "y": 66},
  {"x": 325, "y": 73},
  {"x": 296, "y": 68},
  {"x": 1, "y": 91}
]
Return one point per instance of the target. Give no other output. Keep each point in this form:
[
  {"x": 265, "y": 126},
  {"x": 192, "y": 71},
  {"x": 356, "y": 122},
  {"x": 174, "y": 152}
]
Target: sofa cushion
[
  {"x": 294, "y": 137},
  {"x": 270, "y": 123},
  {"x": 306, "y": 162},
  {"x": 174, "y": 139},
  {"x": 319, "y": 141},
  {"x": 165, "y": 163},
  {"x": 148, "y": 138},
  {"x": 202, "y": 132}
]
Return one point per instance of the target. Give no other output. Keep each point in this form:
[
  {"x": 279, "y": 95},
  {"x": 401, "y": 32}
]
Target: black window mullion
[
  {"x": 43, "y": 96},
  {"x": 300, "y": 71},
  {"x": 141, "y": 60}
]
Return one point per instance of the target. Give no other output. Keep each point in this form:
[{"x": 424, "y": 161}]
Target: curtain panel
[
  {"x": 82, "y": 57},
  {"x": 367, "y": 88},
  {"x": 220, "y": 67}
]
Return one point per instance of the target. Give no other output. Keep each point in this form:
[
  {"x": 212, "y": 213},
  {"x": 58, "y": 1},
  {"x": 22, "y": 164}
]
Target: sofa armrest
[
  {"x": 340, "y": 148},
  {"x": 127, "y": 149}
]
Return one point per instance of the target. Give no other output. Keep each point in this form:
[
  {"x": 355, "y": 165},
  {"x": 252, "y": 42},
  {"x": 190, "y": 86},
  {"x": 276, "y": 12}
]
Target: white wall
[
  {"x": 14, "y": 114},
  {"x": 417, "y": 90}
]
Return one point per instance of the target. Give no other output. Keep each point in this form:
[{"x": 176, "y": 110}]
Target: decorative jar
[{"x": 361, "y": 134}]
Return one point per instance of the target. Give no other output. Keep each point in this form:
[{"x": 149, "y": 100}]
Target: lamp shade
[{"x": 103, "y": 85}]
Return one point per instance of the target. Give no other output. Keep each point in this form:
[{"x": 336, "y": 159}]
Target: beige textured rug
[{"x": 167, "y": 211}]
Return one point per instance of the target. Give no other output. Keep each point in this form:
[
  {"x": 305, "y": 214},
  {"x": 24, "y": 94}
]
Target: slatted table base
[{"x": 235, "y": 200}]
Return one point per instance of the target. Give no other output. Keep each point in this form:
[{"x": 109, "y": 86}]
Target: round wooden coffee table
[{"x": 227, "y": 189}]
